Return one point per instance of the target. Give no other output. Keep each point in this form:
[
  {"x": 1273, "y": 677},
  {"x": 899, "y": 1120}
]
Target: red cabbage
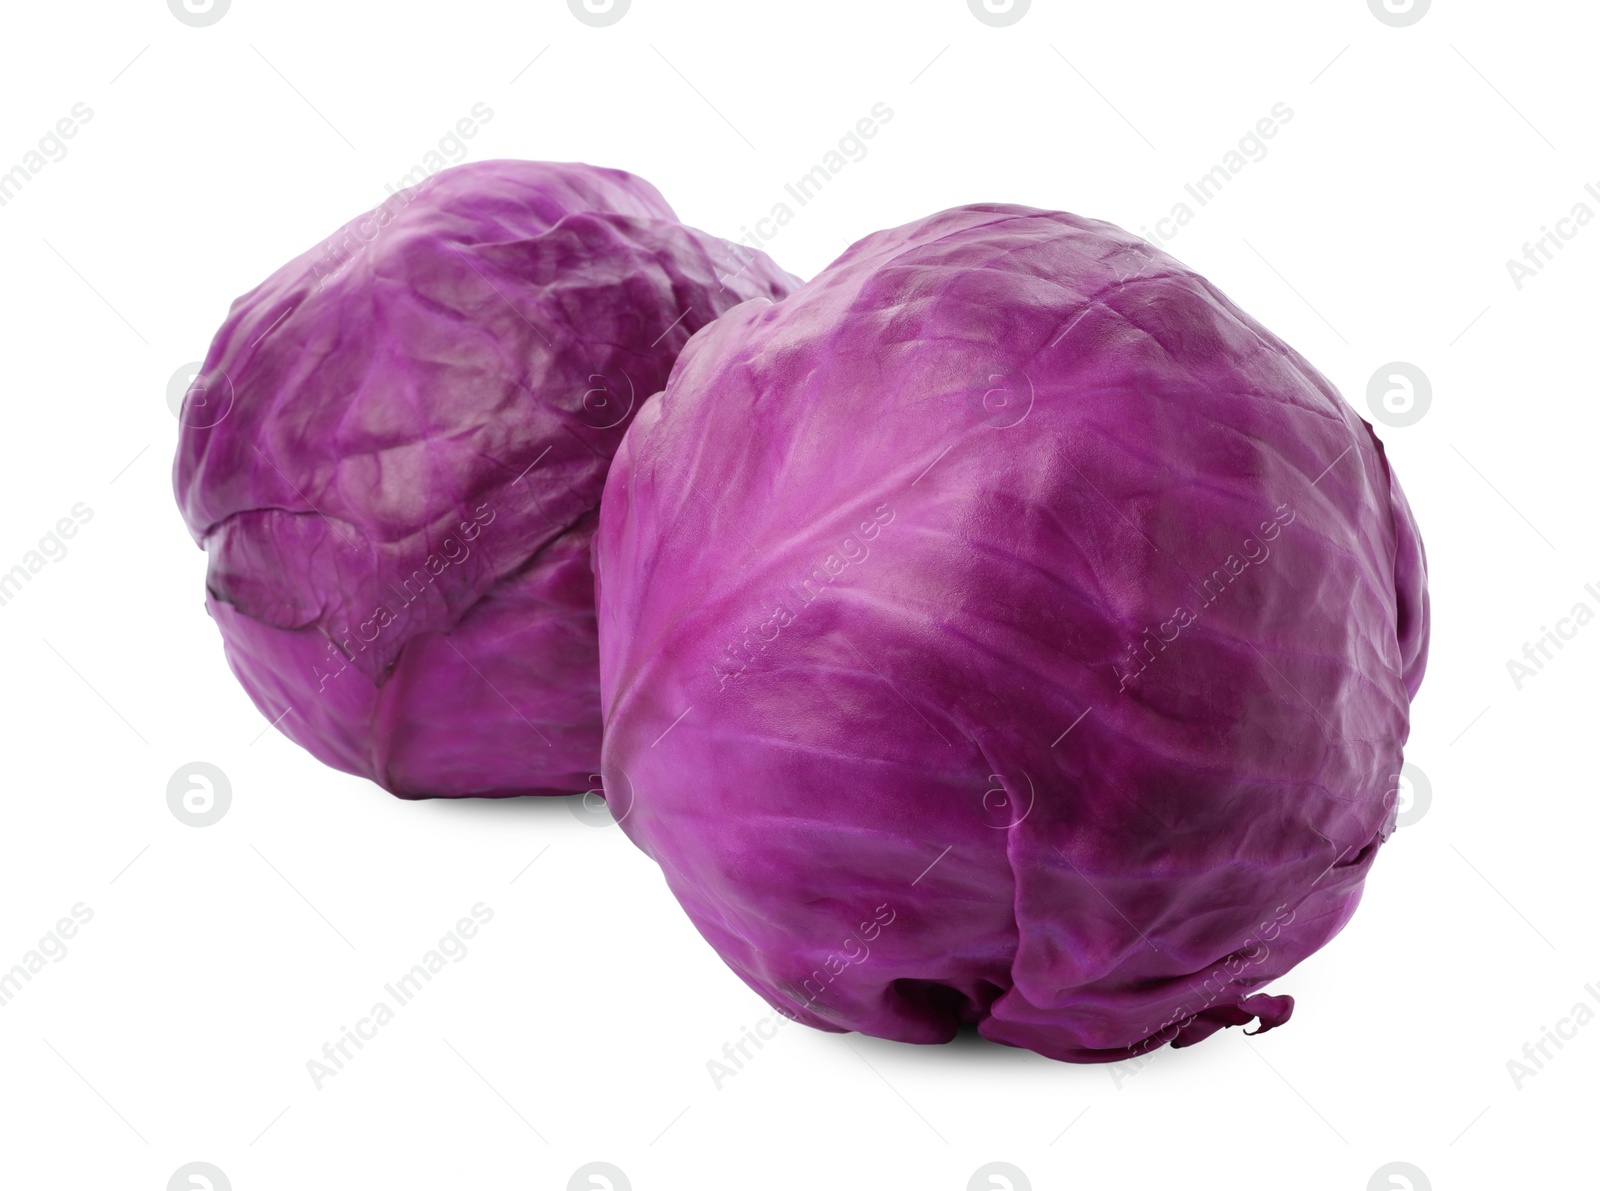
[
  {"x": 393, "y": 455},
  {"x": 1007, "y": 630}
]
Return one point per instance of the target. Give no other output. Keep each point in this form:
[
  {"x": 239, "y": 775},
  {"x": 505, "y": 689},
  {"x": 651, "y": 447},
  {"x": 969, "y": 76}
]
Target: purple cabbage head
[
  {"x": 394, "y": 453},
  {"x": 1007, "y": 630}
]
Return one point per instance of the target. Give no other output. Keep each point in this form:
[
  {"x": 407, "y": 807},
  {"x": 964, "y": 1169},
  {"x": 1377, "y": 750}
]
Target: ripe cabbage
[
  {"x": 394, "y": 452},
  {"x": 1007, "y": 629}
]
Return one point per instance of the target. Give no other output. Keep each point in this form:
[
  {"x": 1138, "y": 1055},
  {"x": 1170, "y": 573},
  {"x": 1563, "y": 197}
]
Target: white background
[{"x": 219, "y": 961}]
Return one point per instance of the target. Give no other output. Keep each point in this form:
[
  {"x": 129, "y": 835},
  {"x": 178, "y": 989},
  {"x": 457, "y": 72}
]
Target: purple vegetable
[
  {"x": 394, "y": 453},
  {"x": 1007, "y": 629}
]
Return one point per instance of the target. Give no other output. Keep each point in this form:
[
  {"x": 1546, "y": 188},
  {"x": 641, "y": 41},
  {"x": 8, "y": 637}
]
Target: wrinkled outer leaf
[
  {"x": 394, "y": 451},
  {"x": 1006, "y": 628}
]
